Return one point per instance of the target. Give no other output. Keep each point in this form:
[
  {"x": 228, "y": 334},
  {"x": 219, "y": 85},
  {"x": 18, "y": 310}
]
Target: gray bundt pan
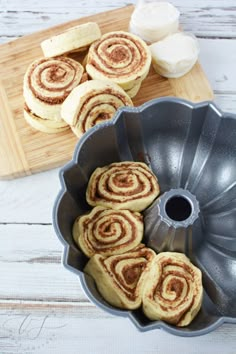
[{"x": 191, "y": 148}]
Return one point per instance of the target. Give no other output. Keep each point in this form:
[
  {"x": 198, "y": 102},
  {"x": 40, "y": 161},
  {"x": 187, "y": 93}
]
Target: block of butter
[
  {"x": 154, "y": 20},
  {"x": 175, "y": 55}
]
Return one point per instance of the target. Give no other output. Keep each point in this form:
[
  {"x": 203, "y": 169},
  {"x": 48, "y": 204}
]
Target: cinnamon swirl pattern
[
  {"x": 121, "y": 57},
  {"x": 123, "y": 185},
  {"x": 173, "y": 290},
  {"x": 47, "y": 82},
  {"x": 91, "y": 103},
  {"x": 120, "y": 278},
  {"x": 108, "y": 232}
]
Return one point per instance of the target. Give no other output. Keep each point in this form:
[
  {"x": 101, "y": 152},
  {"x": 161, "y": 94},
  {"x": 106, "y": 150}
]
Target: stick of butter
[
  {"x": 175, "y": 55},
  {"x": 153, "y": 20}
]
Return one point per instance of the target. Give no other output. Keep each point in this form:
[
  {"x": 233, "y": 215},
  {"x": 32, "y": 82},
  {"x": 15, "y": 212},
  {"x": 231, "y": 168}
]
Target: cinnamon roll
[
  {"x": 123, "y": 185},
  {"x": 74, "y": 39},
  {"x": 132, "y": 92},
  {"x": 120, "y": 57},
  {"x": 91, "y": 103},
  {"x": 173, "y": 290},
  {"x": 108, "y": 232},
  {"x": 120, "y": 278},
  {"x": 47, "y": 82},
  {"x": 44, "y": 125}
]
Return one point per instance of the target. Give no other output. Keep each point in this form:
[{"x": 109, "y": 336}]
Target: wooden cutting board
[{"x": 23, "y": 150}]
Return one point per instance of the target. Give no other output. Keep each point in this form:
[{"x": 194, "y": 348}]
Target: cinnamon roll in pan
[
  {"x": 47, "y": 83},
  {"x": 108, "y": 232},
  {"x": 123, "y": 185},
  {"x": 120, "y": 278},
  {"x": 120, "y": 57},
  {"x": 173, "y": 289},
  {"x": 91, "y": 103}
]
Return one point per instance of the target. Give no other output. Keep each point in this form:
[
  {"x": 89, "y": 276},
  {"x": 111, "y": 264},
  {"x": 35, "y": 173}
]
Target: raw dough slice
[
  {"x": 173, "y": 290},
  {"x": 74, "y": 39},
  {"x": 47, "y": 83},
  {"x": 123, "y": 185},
  {"x": 120, "y": 57},
  {"x": 108, "y": 232},
  {"x": 132, "y": 92},
  {"x": 120, "y": 279},
  {"x": 44, "y": 125},
  {"x": 91, "y": 103}
]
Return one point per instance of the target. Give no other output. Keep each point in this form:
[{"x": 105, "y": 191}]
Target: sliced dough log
[
  {"x": 108, "y": 232},
  {"x": 91, "y": 103},
  {"x": 74, "y": 39},
  {"x": 47, "y": 83},
  {"x": 120, "y": 279},
  {"x": 120, "y": 57},
  {"x": 44, "y": 125},
  {"x": 123, "y": 185},
  {"x": 173, "y": 290}
]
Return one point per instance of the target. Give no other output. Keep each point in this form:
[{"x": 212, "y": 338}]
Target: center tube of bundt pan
[{"x": 173, "y": 223}]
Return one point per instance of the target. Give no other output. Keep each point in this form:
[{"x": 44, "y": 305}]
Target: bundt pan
[{"x": 191, "y": 148}]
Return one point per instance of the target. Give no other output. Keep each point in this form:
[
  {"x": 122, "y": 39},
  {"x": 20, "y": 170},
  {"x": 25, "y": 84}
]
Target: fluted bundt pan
[{"x": 191, "y": 148}]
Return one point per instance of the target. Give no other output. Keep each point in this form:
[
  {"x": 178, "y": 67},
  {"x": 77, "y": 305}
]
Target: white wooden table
[{"x": 42, "y": 307}]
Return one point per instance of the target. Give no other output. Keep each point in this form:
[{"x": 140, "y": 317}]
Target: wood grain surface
[{"x": 23, "y": 150}]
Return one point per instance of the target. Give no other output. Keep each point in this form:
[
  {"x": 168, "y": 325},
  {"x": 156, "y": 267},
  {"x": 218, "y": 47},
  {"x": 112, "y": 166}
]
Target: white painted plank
[
  {"x": 29, "y": 199},
  {"x": 62, "y": 6},
  {"x": 218, "y": 58},
  {"x": 49, "y": 317},
  {"x": 5, "y": 39},
  {"x": 227, "y": 102},
  {"x": 30, "y": 266},
  {"x": 41, "y": 330},
  {"x": 203, "y": 17}
]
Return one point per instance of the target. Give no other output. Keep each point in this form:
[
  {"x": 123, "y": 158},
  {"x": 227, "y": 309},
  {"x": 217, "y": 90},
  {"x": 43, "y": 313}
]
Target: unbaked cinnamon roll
[
  {"x": 47, "y": 83},
  {"x": 173, "y": 290},
  {"x": 132, "y": 92},
  {"x": 44, "y": 125},
  {"x": 123, "y": 185},
  {"x": 120, "y": 278},
  {"x": 73, "y": 39},
  {"x": 108, "y": 232},
  {"x": 91, "y": 103},
  {"x": 119, "y": 56}
]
